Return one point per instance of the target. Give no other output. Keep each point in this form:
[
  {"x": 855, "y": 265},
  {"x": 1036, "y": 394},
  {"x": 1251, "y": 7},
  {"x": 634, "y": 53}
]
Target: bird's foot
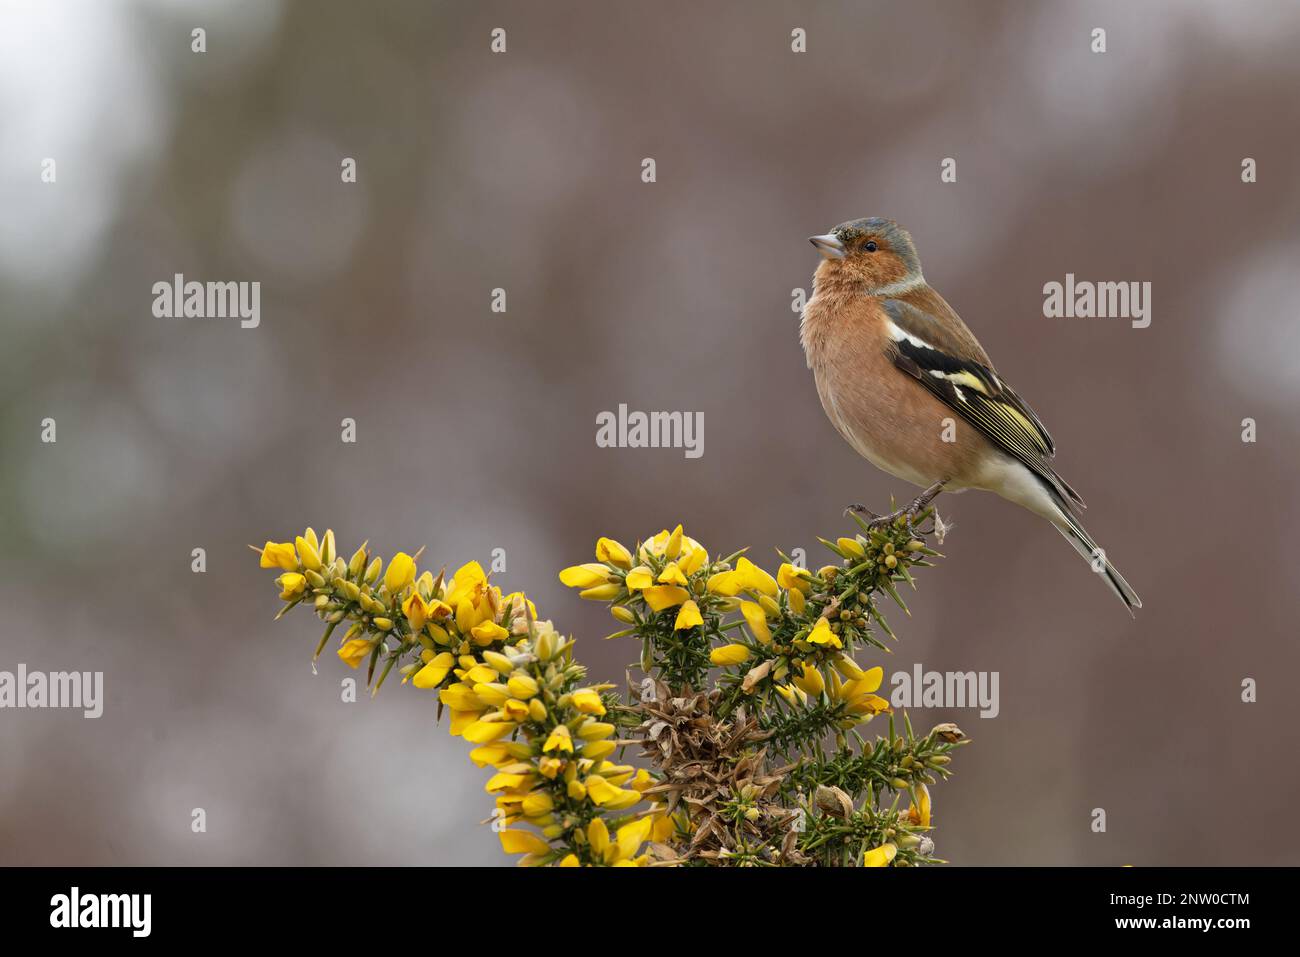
[
  {"x": 860, "y": 510},
  {"x": 908, "y": 514}
]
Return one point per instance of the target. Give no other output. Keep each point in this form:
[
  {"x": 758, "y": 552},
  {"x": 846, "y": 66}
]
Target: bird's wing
[{"x": 924, "y": 349}]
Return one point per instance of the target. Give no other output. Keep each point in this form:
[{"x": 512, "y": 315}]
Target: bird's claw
[{"x": 908, "y": 514}]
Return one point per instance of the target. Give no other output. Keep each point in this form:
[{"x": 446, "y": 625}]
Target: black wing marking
[{"x": 974, "y": 391}]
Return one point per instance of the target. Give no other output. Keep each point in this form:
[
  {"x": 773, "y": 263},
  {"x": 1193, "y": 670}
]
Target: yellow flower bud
[
  {"x": 537, "y": 803},
  {"x": 606, "y": 592},
  {"x": 585, "y": 576},
  {"x": 595, "y": 750},
  {"x": 588, "y": 702},
  {"x": 308, "y": 554},
  {"x": 608, "y": 550},
  {"x": 401, "y": 572},
  {"x": 498, "y": 661},
  {"x": 491, "y": 693},
  {"x": 848, "y": 667},
  {"x": 372, "y": 572},
  {"x": 674, "y": 546},
  {"x": 851, "y": 547},
  {"x": 522, "y": 686},
  {"x": 623, "y": 614},
  {"x": 732, "y": 654},
  {"x": 756, "y": 618},
  {"x": 485, "y": 732},
  {"x": 480, "y": 674},
  {"x": 595, "y": 730}
]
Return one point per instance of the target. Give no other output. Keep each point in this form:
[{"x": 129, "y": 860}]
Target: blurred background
[{"x": 476, "y": 429}]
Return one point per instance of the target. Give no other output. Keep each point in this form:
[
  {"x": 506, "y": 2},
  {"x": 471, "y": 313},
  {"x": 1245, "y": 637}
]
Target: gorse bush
[{"x": 748, "y": 720}]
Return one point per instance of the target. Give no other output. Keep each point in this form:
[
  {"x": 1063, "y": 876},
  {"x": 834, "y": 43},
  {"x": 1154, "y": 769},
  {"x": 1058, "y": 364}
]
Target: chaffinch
[{"x": 893, "y": 361}]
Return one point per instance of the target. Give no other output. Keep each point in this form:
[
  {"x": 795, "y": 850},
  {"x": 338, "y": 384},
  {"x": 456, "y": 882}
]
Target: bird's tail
[{"x": 1086, "y": 545}]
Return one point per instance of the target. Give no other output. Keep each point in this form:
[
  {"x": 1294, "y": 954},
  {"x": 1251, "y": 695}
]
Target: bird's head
[{"x": 875, "y": 253}]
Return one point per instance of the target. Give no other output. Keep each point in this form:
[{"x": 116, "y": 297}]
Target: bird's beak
[{"x": 829, "y": 246}]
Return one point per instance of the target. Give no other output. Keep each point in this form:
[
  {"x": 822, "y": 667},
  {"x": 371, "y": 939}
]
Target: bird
[{"x": 893, "y": 362}]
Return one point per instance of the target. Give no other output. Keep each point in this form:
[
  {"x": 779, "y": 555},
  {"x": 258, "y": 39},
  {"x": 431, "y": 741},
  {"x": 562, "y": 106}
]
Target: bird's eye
[{"x": 871, "y": 246}]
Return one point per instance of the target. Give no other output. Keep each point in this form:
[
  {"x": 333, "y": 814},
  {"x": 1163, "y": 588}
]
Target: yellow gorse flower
[
  {"x": 401, "y": 572},
  {"x": 822, "y": 635},
  {"x": 585, "y": 576},
  {"x": 726, "y": 655},
  {"x": 353, "y": 652},
  {"x": 918, "y": 812},
  {"x": 756, "y": 618},
  {"x": 280, "y": 555},
  {"x": 809, "y": 680},
  {"x": 794, "y": 579},
  {"x": 689, "y": 554},
  {"x": 514, "y": 693},
  {"x": 608, "y": 550},
  {"x": 291, "y": 585},
  {"x": 880, "y": 856},
  {"x": 639, "y": 578},
  {"x": 856, "y": 694},
  {"x": 588, "y": 702},
  {"x": 661, "y": 597},
  {"x": 434, "y": 671},
  {"x": 416, "y": 611},
  {"x": 688, "y": 616}
]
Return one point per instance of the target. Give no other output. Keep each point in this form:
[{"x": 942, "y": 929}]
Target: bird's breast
[{"x": 888, "y": 417}]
